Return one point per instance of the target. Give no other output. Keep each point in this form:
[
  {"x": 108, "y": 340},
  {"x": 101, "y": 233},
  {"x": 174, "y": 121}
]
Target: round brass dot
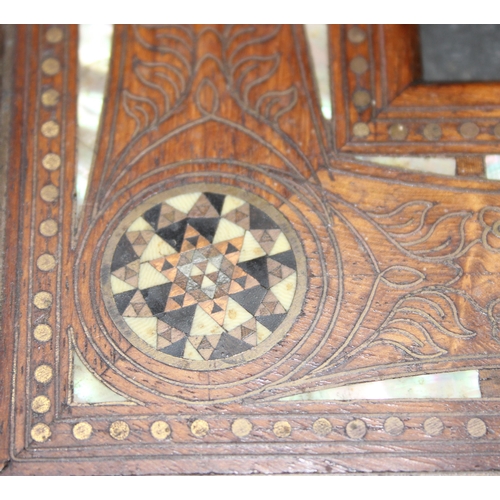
[
  {"x": 356, "y": 35},
  {"x": 119, "y": 430},
  {"x": 49, "y": 193},
  {"x": 41, "y": 404},
  {"x": 361, "y": 98},
  {"x": 241, "y": 427},
  {"x": 50, "y": 97},
  {"x": 394, "y": 426},
  {"x": 356, "y": 429},
  {"x": 43, "y": 332},
  {"x": 48, "y": 228},
  {"x": 361, "y": 129},
  {"x": 40, "y": 433},
  {"x": 468, "y": 130},
  {"x": 282, "y": 429},
  {"x": 398, "y": 131},
  {"x": 50, "y": 129},
  {"x": 476, "y": 427},
  {"x": 433, "y": 426},
  {"x": 496, "y": 130},
  {"x": 51, "y": 161},
  {"x": 54, "y": 35},
  {"x": 43, "y": 300},
  {"x": 82, "y": 431},
  {"x": 432, "y": 132},
  {"x": 160, "y": 430},
  {"x": 43, "y": 374},
  {"x": 51, "y": 66},
  {"x": 322, "y": 427},
  {"x": 200, "y": 428},
  {"x": 46, "y": 262},
  {"x": 359, "y": 65}
]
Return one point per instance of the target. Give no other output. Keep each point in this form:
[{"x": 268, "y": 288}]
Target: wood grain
[{"x": 401, "y": 269}]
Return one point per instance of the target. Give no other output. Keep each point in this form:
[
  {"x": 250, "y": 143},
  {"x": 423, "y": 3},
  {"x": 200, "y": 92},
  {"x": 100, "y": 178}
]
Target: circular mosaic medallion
[{"x": 204, "y": 279}]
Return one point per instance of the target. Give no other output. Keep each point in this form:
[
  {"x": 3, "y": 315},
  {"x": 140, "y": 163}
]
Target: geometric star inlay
[{"x": 203, "y": 276}]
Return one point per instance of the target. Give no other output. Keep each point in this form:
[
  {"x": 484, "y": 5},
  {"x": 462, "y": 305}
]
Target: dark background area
[{"x": 460, "y": 52}]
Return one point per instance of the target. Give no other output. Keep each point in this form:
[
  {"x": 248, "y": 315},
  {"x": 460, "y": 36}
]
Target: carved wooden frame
[
  {"x": 383, "y": 247},
  {"x": 381, "y": 107}
]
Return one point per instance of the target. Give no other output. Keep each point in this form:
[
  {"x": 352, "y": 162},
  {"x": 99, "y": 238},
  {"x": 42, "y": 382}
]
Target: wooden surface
[{"x": 401, "y": 269}]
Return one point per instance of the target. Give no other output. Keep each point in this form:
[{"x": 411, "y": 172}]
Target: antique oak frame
[{"x": 402, "y": 268}]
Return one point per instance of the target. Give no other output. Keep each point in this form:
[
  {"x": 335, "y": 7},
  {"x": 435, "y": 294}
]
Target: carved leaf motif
[
  {"x": 252, "y": 71},
  {"x": 207, "y": 97},
  {"x": 414, "y": 228},
  {"x": 410, "y": 337},
  {"x": 273, "y": 104},
  {"x": 248, "y": 71},
  {"x": 406, "y": 220},
  {"x": 164, "y": 73},
  {"x": 402, "y": 277},
  {"x": 164, "y": 78},
  {"x": 142, "y": 110},
  {"x": 422, "y": 323},
  {"x": 167, "y": 39}
]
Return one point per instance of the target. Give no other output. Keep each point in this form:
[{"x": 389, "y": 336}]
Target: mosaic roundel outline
[{"x": 204, "y": 277}]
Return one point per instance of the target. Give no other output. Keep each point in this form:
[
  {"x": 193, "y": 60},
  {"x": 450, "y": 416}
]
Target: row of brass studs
[
  {"x": 431, "y": 131},
  {"x": 242, "y": 427},
  {"x": 48, "y": 228},
  {"x": 361, "y": 98}
]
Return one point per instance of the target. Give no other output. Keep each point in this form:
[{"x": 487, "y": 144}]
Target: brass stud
[
  {"x": 394, "y": 426},
  {"x": 40, "y": 433},
  {"x": 46, "y": 262},
  {"x": 48, "y": 228},
  {"x": 359, "y": 65},
  {"x": 160, "y": 430},
  {"x": 398, "y": 131},
  {"x": 432, "y": 132},
  {"x": 241, "y": 427},
  {"x": 433, "y": 426},
  {"x": 361, "y": 98},
  {"x": 43, "y": 332},
  {"x": 322, "y": 427},
  {"x": 54, "y": 35},
  {"x": 282, "y": 429},
  {"x": 43, "y": 300},
  {"x": 119, "y": 430},
  {"x": 49, "y": 193},
  {"x": 50, "y": 97},
  {"x": 82, "y": 431},
  {"x": 200, "y": 428},
  {"x": 356, "y": 35},
  {"x": 51, "y": 161},
  {"x": 51, "y": 66},
  {"x": 356, "y": 429},
  {"x": 468, "y": 130},
  {"x": 43, "y": 374},
  {"x": 496, "y": 130},
  {"x": 41, "y": 404},
  {"x": 361, "y": 129},
  {"x": 476, "y": 427},
  {"x": 50, "y": 129}
]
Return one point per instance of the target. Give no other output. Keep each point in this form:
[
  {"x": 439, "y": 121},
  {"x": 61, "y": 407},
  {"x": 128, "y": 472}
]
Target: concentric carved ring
[{"x": 300, "y": 335}]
